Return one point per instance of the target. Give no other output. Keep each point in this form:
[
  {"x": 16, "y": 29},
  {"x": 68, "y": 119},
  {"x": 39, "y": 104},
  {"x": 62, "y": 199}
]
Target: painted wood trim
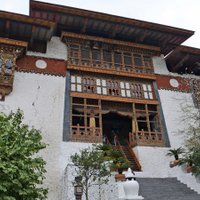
[
  {"x": 113, "y": 98},
  {"x": 110, "y": 71},
  {"x": 109, "y": 41},
  {"x": 13, "y": 42}
]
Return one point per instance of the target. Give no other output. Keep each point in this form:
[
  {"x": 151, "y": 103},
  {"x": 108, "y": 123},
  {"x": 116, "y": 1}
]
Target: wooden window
[
  {"x": 138, "y": 60},
  {"x": 118, "y": 60},
  {"x": 141, "y": 116},
  {"x": 85, "y": 120},
  {"x": 101, "y": 86},
  {"x": 74, "y": 54},
  {"x": 147, "y": 118},
  {"x": 136, "y": 90},
  {"x": 96, "y": 57},
  {"x": 89, "y": 85},
  {"x": 148, "y": 93},
  {"x": 76, "y": 84},
  {"x": 113, "y": 88},
  {"x": 154, "y": 122},
  {"x": 85, "y": 55},
  {"x": 128, "y": 65},
  {"x": 148, "y": 64},
  {"x": 107, "y": 59},
  {"x": 102, "y": 56},
  {"x": 125, "y": 89}
]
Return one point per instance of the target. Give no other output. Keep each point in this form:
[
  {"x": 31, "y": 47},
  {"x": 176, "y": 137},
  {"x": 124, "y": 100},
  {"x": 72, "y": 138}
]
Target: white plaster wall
[
  {"x": 173, "y": 103},
  {"x": 159, "y": 64},
  {"x": 55, "y": 49},
  {"x": 41, "y": 97}
]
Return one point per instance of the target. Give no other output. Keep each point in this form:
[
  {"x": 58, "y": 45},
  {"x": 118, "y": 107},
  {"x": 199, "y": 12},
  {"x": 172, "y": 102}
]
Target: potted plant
[
  {"x": 188, "y": 160},
  {"x": 175, "y": 152},
  {"x": 119, "y": 163}
]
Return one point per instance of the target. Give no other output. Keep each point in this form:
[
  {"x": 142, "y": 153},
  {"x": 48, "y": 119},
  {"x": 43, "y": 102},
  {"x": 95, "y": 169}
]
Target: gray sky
[{"x": 178, "y": 13}]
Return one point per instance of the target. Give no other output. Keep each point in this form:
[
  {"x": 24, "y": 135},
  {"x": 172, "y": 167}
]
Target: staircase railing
[
  {"x": 119, "y": 147},
  {"x": 146, "y": 138},
  {"x": 138, "y": 166}
]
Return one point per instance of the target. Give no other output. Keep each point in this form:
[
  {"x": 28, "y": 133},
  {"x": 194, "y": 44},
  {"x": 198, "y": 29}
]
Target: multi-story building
[{"x": 82, "y": 77}]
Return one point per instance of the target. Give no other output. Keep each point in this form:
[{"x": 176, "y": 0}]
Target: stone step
[{"x": 165, "y": 189}]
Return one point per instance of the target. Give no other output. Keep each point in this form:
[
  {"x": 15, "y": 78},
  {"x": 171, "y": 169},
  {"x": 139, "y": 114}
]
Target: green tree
[
  {"x": 21, "y": 171},
  {"x": 91, "y": 168}
]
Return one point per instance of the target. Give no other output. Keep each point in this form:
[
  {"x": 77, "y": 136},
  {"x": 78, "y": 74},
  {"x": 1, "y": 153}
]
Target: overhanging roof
[
  {"x": 110, "y": 26},
  {"x": 25, "y": 28},
  {"x": 184, "y": 59}
]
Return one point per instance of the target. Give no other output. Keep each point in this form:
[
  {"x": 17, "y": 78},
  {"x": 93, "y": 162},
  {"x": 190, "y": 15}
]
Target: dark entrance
[{"x": 116, "y": 123}]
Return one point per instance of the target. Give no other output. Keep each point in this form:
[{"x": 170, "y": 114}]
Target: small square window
[
  {"x": 104, "y": 91},
  {"x": 144, "y": 87},
  {"x": 123, "y": 93},
  {"x": 127, "y": 86},
  {"x": 73, "y": 87},
  {"x": 149, "y": 88},
  {"x": 104, "y": 83},
  {"x": 122, "y": 85},
  {"x": 146, "y": 95},
  {"x": 98, "y": 90},
  {"x": 79, "y": 88},
  {"x": 128, "y": 93},
  {"x": 73, "y": 80},
  {"x": 98, "y": 81},
  {"x": 78, "y": 79},
  {"x": 150, "y": 95}
]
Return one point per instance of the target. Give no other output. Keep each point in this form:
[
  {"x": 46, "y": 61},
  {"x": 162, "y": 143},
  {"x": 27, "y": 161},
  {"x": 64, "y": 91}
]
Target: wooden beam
[
  {"x": 113, "y": 98},
  {"x": 180, "y": 63},
  {"x": 7, "y": 28},
  {"x": 13, "y": 42},
  {"x": 33, "y": 30},
  {"x": 26, "y": 19},
  {"x": 109, "y": 41},
  {"x": 84, "y": 28},
  {"x": 111, "y": 72},
  {"x": 114, "y": 31},
  {"x": 143, "y": 36}
]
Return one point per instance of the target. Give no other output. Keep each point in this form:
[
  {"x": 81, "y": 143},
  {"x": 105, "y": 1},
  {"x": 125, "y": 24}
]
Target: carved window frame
[
  {"x": 104, "y": 86},
  {"x": 115, "y": 58}
]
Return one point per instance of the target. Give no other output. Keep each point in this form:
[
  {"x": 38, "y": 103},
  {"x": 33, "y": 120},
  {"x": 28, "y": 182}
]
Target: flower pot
[
  {"x": 189, "y": 169},
  {"x": 174, "y": 163},
  {"x": 119, "y": 177}
]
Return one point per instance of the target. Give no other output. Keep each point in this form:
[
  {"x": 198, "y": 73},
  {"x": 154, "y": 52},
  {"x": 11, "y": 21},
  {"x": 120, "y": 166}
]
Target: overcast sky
[{"x": 178, "y": 13}]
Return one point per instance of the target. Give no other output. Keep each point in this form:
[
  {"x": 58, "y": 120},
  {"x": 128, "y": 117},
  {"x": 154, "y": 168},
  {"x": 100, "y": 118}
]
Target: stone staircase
[
  {"x": 129, "y": 154},
  {"x": 165, "y": 189}
]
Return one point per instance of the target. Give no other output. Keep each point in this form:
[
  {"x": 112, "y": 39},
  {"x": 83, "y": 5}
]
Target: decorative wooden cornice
[
  {"x": 15, "y": 48},
  {"x": 108, "y": 41},
  {"x": 13, "y": 42},
  {"x": 10, "y": 50},
  {"x": 106, "y": 17},
  {"x": 112, "y": 72},
  {"x": 113, "y": 98},
  {"x": 26, "y": 19}
]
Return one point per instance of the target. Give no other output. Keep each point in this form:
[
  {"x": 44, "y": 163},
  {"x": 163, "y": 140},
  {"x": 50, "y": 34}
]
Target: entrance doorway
[{"x": 116, "y": 123}]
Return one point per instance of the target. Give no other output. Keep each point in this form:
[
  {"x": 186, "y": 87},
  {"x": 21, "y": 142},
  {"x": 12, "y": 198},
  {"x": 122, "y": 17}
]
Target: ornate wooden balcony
[
  {"x": 144, "y": 138},
  {"x": 86, "y": 134}
]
